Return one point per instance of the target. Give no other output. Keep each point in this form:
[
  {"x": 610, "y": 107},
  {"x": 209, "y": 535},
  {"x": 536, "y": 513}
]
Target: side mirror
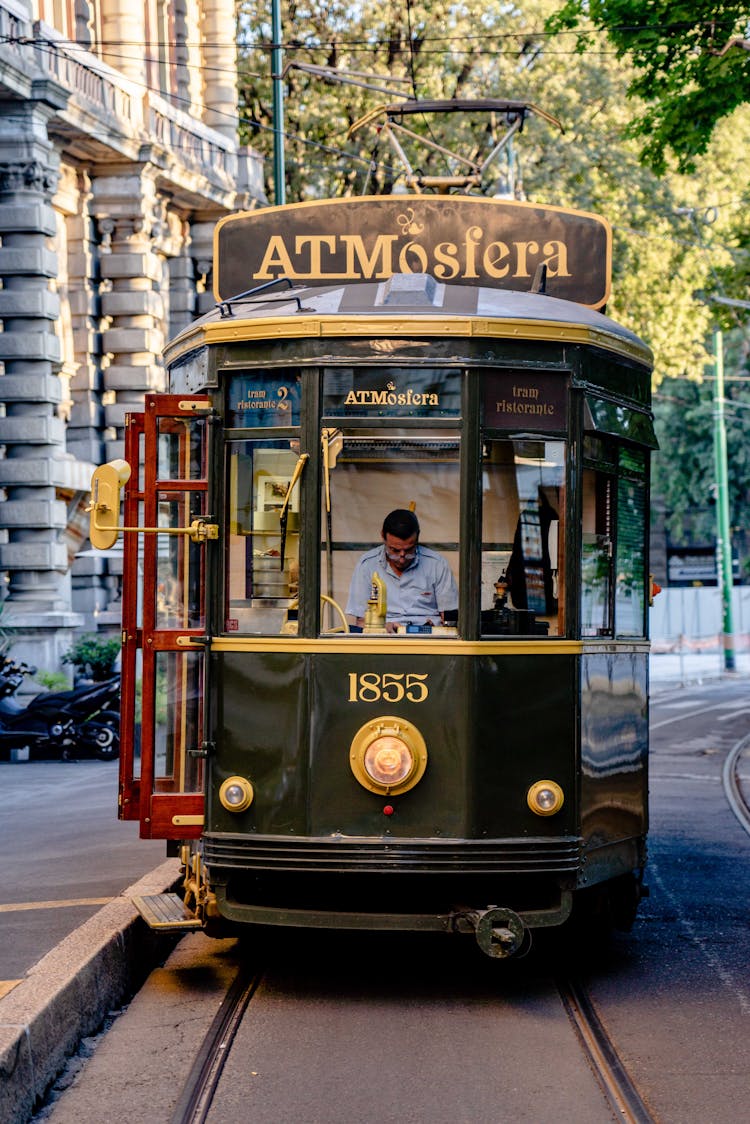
[{"x": 104, "y": 509}]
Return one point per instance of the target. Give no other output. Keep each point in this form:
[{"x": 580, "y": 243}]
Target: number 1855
[{"x": 390, "y": 687}]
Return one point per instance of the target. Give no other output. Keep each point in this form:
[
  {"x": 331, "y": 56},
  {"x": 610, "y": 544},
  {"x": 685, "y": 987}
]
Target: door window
[
  {"x": 523, "y": 511},
  {"x": 262, "y": 560}
]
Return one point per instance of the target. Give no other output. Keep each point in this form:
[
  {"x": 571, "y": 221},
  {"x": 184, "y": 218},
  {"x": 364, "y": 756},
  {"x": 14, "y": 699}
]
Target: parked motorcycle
[{"x": 85, "y": 720}]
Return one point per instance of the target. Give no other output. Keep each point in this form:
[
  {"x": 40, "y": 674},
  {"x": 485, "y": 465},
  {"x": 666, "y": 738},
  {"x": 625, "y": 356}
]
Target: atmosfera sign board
[{"x": 459, "y": 240}]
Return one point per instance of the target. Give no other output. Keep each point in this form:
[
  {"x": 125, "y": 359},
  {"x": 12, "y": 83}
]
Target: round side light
[
  {"x": 388, "y": 755},
  {"x": 545, "y": 798},
  {"x": 236, "y": 794}
]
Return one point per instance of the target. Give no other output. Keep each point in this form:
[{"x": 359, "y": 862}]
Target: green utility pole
[
  {"x": 723, "y": 537},
  {"x": 279, "y": 172}
]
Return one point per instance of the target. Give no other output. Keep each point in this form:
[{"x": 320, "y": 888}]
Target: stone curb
[{"x": 68, "y": 993}]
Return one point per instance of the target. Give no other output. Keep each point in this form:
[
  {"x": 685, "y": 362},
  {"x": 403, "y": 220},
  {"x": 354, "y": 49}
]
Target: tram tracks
[
  {"x": 731, "y": 782},
  {"x": 616, "y": 1084},
  {"x": 201, "y": 1083}
]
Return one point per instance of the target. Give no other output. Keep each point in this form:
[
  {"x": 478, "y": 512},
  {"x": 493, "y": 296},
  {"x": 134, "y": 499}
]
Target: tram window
[
  {"x": 178, "y": 696},
  {"x": 613, "y": 569},
  {"x": 596, "y": 553},
  {"x": 630, "y": 584},
  {"x": 262, "y": 560},
  {"x": 523, "y": 511},
  {"x": 179, "y": 583},
  {"x": 181, "y": 449},
  {"x": 366, "y": 475}
]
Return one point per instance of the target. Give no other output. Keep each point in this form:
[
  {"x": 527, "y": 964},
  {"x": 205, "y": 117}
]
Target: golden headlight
[
  {"x": 545, "y": 798},
  {"x": 388, "y": 755},
  {"x": 236, "y": 794}
]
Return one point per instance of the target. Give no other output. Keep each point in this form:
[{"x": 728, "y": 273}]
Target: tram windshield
[
  {"x": 523, "y": 511},
  {"x": 390, "y": 530}
]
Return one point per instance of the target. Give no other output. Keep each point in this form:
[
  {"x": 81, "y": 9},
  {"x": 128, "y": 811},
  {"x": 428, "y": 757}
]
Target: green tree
[
  {"x": 679, "y": 237},
  {"x": 469, "y": 50},
  {"x": 691, "y": 66},
  {"x": 684, "y": 474}
]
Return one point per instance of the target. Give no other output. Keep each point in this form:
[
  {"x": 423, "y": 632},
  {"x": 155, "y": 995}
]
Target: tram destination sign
[
  {"x": 460, "y": 240},
  {"x": 537, "y": 400}
]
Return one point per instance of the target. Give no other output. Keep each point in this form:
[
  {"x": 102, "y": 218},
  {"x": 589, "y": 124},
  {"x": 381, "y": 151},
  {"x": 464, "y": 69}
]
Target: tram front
[{"x": 391, "y": 650}]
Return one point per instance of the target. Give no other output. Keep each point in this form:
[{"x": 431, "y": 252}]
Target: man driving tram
[{"x": 418, "y": 587}]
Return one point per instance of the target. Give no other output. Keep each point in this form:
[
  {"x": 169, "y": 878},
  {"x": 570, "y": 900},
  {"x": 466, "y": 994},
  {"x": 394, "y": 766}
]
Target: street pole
[
  {"x": 279, "y": 173},
  {"x": 723, "y": 536}
]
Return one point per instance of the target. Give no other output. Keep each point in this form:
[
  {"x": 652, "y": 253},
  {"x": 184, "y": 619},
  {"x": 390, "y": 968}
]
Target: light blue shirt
[{"x": 420, "y": 594}]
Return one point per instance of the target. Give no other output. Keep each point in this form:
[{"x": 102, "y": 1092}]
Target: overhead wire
[{"x": 252, "y": 123}]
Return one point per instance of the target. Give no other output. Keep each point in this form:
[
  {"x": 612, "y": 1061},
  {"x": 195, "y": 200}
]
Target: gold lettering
[
  {"x": 361, "y": 264},
  {"x": 522, "y": 269},
  {"x": 277, "y": 257},
  {"x": 316, "y": 242},
  {"x": 491, "y": 261},
  {"x": 391, "y": 686},
  {"x": 471, "y": 241},
  {"x": 419, "y": 253},
  {"x": 556, "y": 258},
  {"x": 445, "y": 254}
]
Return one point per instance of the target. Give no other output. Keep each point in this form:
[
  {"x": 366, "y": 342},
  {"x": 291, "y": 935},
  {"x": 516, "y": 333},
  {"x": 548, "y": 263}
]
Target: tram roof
[{"x": 406, "y": 304}]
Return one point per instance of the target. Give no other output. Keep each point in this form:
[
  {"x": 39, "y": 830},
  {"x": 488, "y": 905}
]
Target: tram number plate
[{"x": 390, "y": 687}]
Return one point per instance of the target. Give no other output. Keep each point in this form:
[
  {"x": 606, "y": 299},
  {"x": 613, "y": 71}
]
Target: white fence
[{"x": 690, "y": 620}]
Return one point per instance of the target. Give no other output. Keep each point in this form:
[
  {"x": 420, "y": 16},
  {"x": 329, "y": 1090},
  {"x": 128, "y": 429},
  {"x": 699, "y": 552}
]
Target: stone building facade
[{"x": 118, "y": 153}]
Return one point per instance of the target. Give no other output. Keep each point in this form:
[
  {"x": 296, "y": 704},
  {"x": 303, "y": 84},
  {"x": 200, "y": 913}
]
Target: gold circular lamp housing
[
  {"x": 388, "y": 755},
  {"x": 545, "y": 798},
  {"x": 236, "y": 794}
]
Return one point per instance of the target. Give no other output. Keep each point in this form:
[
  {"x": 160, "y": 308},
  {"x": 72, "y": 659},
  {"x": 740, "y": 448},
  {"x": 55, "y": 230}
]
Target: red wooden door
[{"x": 164, "y": 617}]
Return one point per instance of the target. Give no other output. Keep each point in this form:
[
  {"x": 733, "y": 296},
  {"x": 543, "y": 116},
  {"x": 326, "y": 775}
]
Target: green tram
[{"x": 323, "y": 756}]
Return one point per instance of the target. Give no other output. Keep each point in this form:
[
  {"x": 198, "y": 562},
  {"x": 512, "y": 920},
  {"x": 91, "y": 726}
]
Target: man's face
[{"x": 400, "y": 552}]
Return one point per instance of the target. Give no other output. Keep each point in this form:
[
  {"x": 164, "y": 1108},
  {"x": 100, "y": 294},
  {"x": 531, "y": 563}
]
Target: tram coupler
[{"x": 499, "y": 931}]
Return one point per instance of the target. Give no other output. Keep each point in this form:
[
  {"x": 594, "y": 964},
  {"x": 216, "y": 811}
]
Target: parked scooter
[{"x": 85, "y": 720}]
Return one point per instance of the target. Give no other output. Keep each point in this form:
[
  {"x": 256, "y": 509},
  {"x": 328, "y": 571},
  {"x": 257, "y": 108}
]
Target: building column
[
  {"x": 134, "y": 296},
  {"x": 183, "y": 295},
  {"x": 33, "y": 518},
  {"x": 220, "y": 62}
]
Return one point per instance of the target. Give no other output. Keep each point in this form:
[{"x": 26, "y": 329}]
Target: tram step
[{"x": 166, "y": 911}]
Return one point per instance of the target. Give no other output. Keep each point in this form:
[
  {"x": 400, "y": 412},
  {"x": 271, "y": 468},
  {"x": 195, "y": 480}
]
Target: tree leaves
[{"x": 691, "y": 66}]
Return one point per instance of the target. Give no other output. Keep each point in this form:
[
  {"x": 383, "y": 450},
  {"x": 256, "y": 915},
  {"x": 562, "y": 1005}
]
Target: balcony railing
[
  {"x": 130, "y": 115},
  {"x": 14, "y": 27}
]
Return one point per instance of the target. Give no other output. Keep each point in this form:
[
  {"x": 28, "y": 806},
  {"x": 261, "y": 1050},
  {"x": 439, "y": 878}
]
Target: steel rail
[
  {"x": 609, "y": 1070},
  {"x": 731, "y": 784},
  {"x": 199, "y": 1088}
]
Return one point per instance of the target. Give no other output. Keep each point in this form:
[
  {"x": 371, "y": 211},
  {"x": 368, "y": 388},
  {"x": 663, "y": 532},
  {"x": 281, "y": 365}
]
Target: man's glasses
[{"x": 392, "y": 552}]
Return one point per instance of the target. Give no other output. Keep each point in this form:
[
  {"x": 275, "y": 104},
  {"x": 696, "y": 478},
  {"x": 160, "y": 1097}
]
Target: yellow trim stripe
[
  {"x": 360, "y": 644},
  {"x": 373, "y": 645},
  {"x": 335, "y": 327},
  {"x": 406, "y": 645}
]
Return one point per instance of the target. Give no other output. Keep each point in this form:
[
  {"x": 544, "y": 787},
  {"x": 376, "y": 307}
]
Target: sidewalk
[{"x": 672, "y": 669}]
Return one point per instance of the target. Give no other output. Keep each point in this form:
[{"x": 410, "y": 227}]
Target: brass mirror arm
[
  {"x": 199, "y": 530},
  {"x": 304, "y": 458}
]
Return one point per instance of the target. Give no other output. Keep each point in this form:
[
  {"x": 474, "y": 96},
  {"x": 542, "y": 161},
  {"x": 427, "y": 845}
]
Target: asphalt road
[
  {"x": 406, "y": 1029},
  {"x": 65, "y": 854}
]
